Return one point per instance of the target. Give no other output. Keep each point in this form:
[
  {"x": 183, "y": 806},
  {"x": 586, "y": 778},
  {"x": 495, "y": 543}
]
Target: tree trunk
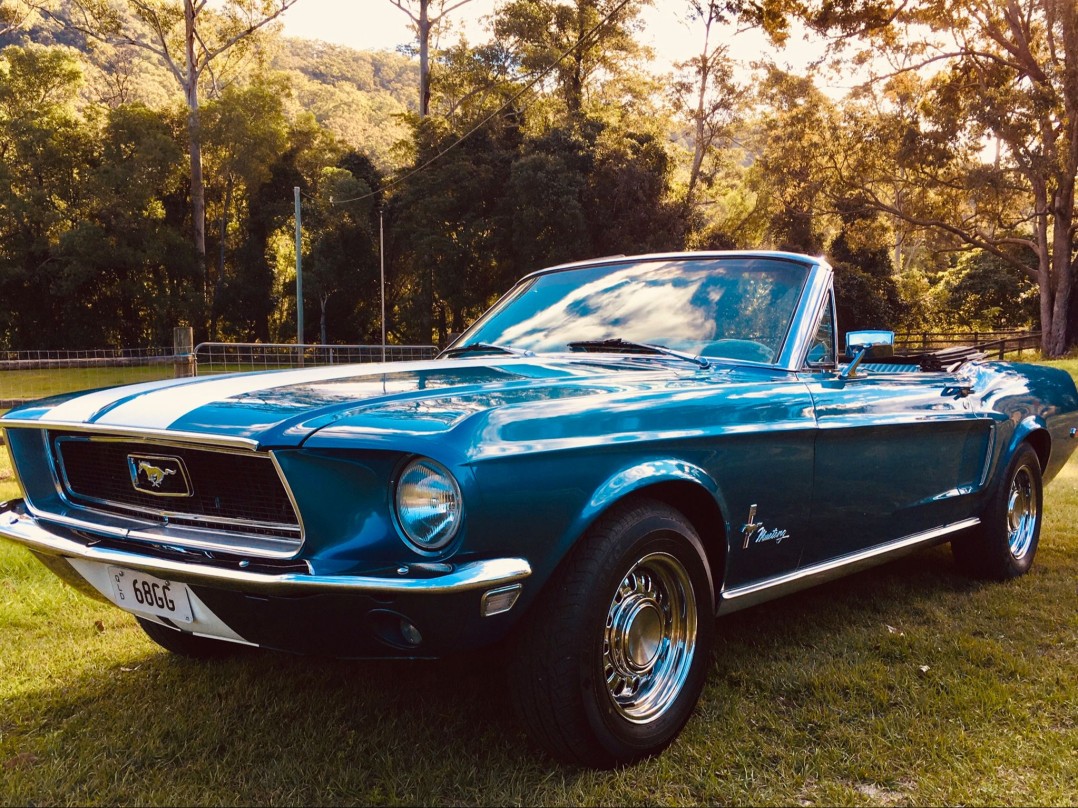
[
  {"x": 424, "y": 58},
  {"x": 194, "y": 134},
  {"x": 219, "y": 282},
  {"x": 1063, "y": 216},
  {"x": 700, "y": 145}
]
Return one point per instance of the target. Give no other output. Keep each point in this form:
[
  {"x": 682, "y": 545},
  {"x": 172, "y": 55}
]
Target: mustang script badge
[
  {"x": 755, "y": 532},
  {"x": 159, "y": 475}
]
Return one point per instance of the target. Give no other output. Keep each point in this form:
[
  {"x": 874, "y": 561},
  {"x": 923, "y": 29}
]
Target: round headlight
[{"x": 428, "y": 504}]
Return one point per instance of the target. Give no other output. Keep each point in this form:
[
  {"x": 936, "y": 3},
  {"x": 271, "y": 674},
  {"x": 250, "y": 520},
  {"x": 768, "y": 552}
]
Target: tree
[
  {"x": 866, "y": 294},
  {"x": 127, "y": 276},
  {"x": 343, "y": 263},
  {"x": 706, "y": 92},
  {"x": 44, "y": 148},
  {"x": 1006, "y": 73},
  {"x": 985, "y": 293},
  {"x": 190, "y": 39},
  {"x": 448, "y": 229},
  {"x": 424, "y": 23},
  {"x": 245, "y": 132},
  {"x": 790, "y": 141},
  {"x": 16, "y": 13},
  {"x": 575, "y": 40}
]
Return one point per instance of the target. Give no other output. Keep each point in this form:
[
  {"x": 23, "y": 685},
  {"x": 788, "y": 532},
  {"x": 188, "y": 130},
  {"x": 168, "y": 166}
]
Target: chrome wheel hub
[
  {"x": 650, "y": 637},
  {"x": 1021, "y": 513}
]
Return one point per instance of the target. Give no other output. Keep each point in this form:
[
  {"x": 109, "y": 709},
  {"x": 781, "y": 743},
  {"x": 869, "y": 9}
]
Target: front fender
[
  {"x": 646, "y": 475},
  {"x": 642, "y": 475}
]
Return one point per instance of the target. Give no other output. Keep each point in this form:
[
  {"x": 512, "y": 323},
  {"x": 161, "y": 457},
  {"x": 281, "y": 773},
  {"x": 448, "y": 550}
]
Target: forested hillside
[
  {"x": 359, "y": 96},
  {"x": 140, "y": 189}
]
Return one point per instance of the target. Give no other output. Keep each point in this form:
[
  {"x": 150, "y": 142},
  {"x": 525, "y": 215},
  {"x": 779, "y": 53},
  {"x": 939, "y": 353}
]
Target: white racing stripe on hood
[
  {"x": 84, "y": 407},
  {"x": 157, "y": 407}
]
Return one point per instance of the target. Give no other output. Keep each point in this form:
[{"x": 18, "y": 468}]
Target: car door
[{"x": 898, "y": 452}]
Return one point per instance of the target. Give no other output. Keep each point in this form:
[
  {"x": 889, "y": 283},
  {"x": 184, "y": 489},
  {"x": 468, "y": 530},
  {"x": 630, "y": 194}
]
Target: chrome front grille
[{"x": 237, "y": 496}]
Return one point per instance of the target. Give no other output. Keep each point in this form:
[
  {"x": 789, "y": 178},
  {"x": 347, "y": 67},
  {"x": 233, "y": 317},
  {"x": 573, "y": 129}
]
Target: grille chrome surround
[{"x": 223, "y": 519}]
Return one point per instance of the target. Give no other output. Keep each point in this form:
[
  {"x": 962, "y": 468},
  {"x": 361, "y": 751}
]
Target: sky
[{"x": 379, "y": 25}]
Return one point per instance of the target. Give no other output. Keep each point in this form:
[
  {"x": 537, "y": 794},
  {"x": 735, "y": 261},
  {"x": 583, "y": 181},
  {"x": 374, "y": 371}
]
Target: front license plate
[{"x": 145, "y": 594}]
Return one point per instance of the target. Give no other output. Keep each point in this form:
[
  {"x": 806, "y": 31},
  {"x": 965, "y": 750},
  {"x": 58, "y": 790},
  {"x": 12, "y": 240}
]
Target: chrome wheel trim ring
[
  {"x": 650, "y": 638},
  {"x": 1021, "y": 512}
]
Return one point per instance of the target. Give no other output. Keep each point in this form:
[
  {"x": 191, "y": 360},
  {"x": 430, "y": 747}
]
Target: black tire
[
  {"x": 611, "y": 661},
  {"x": 186, "y": 644},
  {"x": 1003, "y": 546}
]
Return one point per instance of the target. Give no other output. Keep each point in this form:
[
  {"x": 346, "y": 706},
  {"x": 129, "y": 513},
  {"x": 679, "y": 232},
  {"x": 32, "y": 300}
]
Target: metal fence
[
  {"x": 230, "y": 357},
  {"x": 28, "y": 375}
]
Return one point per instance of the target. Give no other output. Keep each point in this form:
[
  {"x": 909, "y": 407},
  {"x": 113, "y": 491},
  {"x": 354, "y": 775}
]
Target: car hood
[{"x": 280, "y": 409}]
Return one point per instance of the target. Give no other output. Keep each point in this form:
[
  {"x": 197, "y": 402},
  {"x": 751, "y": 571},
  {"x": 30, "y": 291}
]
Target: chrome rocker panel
[{"x": 732, "y": 600}]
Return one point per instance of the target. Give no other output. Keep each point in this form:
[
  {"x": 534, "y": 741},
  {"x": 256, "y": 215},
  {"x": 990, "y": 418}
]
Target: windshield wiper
[
  {"x": 484, "y": 347},
  {"x": 618, "y": 345}
]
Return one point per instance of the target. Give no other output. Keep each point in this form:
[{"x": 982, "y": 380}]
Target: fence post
[{"x": 183, "y": 351}]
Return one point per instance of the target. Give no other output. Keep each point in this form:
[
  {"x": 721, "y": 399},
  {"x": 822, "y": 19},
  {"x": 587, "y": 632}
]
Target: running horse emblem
[{"x": 155, "y": 474}]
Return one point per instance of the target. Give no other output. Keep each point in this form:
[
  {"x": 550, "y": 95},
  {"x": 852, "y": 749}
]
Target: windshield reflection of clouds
[
  {"x": 679, "y": 304},
  {"x": 622, "y": 303}
]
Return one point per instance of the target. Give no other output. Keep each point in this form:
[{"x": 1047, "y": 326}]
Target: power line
[{"x": 539, "y": 77}]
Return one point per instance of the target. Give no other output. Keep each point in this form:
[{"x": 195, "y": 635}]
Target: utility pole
[
  {"x": 299, "y": 271},
  {"x": 382, "y": 261}
]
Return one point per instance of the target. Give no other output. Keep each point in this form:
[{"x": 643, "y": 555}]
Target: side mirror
[
  {"x": 862, "y": 345},
  {"x": 878, "y": 344}
]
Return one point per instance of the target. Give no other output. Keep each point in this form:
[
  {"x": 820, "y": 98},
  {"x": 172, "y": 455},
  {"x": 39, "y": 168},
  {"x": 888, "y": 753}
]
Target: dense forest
[{"x": 148, "y": 158}]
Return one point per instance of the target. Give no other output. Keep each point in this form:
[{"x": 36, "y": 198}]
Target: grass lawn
[
  {"x": 31, "y": 384},
  {"x": 906, "y": 684}
]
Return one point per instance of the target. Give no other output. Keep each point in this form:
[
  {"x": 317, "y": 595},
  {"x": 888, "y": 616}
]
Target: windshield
[{"x": 734, "y": 307}]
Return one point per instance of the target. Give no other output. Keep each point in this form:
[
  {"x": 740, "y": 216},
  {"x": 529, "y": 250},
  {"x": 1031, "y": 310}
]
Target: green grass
[
  {"x": 906, "y": 684},
  {"x": 31, "y": 384}
]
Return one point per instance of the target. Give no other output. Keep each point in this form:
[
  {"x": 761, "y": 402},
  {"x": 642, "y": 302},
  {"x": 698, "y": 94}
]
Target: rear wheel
[
  {"x": 184, "y": 643},
  {"x": 614, "y": 656},
  {"x": 1004, "y": 545}
]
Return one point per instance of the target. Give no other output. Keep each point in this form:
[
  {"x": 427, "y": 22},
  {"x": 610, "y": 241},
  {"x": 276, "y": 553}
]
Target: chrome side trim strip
[
  {"x": 167, "y": 435},
  {"x": 988, "y": 454},
  {"x": 121, "y": 527},
  {"x": 741, "y": 597},
  {"x": 473, "y": 575}
]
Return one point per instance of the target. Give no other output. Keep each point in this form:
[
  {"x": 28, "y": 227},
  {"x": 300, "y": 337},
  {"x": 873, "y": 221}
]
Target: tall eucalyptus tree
[{"x": 194, "y": 41}]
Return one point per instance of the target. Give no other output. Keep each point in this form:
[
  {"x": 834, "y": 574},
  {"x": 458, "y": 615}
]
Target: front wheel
[
  {"x": 615, "y": 653},
  {"x": 1004, "y": 544}
]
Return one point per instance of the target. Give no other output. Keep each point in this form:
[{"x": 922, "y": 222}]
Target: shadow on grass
[{"x": 270, "y": 728}]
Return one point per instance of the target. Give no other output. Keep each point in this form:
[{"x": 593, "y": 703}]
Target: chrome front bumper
[{"x": 54, "y": 540}]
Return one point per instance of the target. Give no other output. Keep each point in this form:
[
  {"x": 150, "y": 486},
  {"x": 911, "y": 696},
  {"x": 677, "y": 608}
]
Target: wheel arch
[
  {"x": 703, "y": 512},
  {"x": 1036, "y": 434},
  {"x": 684, "y": 487}
]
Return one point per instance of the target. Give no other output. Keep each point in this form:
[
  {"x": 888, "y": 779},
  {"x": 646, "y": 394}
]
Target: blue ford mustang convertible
[{"x": 615, "y": 454}]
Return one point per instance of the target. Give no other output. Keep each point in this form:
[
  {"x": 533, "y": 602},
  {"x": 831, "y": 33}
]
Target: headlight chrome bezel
[{"x": 445, "y": 503}]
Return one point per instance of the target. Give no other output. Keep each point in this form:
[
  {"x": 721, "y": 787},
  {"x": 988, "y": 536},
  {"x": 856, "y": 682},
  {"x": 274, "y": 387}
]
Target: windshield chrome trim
[{"x": 803, "y": 327}]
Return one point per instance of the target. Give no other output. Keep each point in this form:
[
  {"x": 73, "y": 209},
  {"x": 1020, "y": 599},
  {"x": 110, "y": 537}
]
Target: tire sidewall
[
  {"x": 997, "y": 531},
  {"x": 622, "y": 739}
]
